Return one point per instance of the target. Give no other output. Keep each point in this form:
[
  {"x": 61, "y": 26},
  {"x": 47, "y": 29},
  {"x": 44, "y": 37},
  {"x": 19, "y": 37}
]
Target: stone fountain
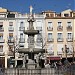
[{"x": 31, "y": 50}]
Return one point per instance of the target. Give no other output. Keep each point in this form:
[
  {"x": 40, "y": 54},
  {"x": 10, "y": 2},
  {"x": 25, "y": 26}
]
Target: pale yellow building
[
  {"x": 7, "y": 36},
  {"x": 60, "y": 36}
]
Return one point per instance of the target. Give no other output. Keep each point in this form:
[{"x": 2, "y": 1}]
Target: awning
[{"x": 54, "y": 58}]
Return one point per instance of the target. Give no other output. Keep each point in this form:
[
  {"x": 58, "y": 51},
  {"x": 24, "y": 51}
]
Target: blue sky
[{"x": 38, "y": 5}]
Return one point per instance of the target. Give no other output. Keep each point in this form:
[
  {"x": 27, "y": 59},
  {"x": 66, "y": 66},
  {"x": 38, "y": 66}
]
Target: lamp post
[
  {"x": 66, "y": 50},
  {"x": 73, "y": 55}
]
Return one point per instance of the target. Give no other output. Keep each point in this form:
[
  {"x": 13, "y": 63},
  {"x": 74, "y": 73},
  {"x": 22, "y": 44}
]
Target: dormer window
[
  {"x": 66, "y": 15},
  {"x": 51, "y": 15},
  {"x": 47, "y": 15}
]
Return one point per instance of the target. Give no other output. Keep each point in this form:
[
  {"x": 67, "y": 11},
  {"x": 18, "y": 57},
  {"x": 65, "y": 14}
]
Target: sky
[{"x": 38, "y": 5}]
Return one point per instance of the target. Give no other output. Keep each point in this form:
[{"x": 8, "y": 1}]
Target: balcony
[
  {"x": 60, "y": 28},
  {"x": 59, "y": 39},
  {"x": 50, "y": 52},
  {"x": 1, "y": 29},
  {"x": 69, "y": 39},
  {"x": 59, "y": 52},
  {"x": 21, "y": 40},
  {"x": 11, "y": 29},
  {"x": 50, "y": 39},
  {"x": 2, "y": 40},
  {"x": 49, "y": 28},
  {"x": 21, "y": 45},
  {"x": 21, "y": 28},
  {"x": 69, "y": 28},
  {"x": 39, "y": 28},
  {"x": 11, "y": 40}
]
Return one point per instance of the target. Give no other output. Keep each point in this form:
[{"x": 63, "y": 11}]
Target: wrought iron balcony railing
[
  {"x": 10, "y": 40},
  {"x": 21, "y": 28},
  {"x": 59, "y": 52},
  {"x": 38, "y": 28},
  {"x": 21, "y": 40},
  {"x": 69, "y": 28},
  {"x": 51, "y": 52},
  {"x": 60, "y": 28},
  {"x": 69, "y": 39},
  {"x": 59, "y": 39},
  {"x": 50, "y": 39},
  {"x": 50, "y": 28},
  {"x": 11, "y": 29}
]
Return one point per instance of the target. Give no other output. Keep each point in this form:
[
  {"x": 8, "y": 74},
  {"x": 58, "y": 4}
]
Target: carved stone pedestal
[{"x": 31, "y": 64}]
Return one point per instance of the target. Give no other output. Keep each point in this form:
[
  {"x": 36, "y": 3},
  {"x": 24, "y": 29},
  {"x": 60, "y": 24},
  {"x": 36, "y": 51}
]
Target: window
[
  {"x": 10, "y": 23},
  {"x": 59, "y": 24},
  {"x": 69, "y": 24},
  {"x": 59, "y": 35},
  {"x": 21, "y": 24},
  {"x": 51, "y": 15},
  {"x": 66, "y": 15},
  {"x": 1, "y": 36},
  {"x": 50, "y": 24},
  {"x": 10, "y": 36},
  {"x": 1, "y": 25},
  {"x": 50, "y": 35},
  {"x": 50, "y": 49},
  {"x": 39, "y": 25},
  {"x": 11, "y": 28},
  {"x": 21, "y": 40},
  {"x": 47, "y": 15},
  {"x": 21, "y": 28},
  {"x": 69, "y": 35},
  {"x": 1, "y": 48},
  {"x": 59, "y": 49},
  {"x": 21, "y": 35}
]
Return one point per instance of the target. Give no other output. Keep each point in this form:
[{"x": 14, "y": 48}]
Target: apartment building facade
[
  {"x": 60, "y": 34},
  {"x": 22, "y": 39},
  {"x": 7, "y": 36},
  {"x": 57, "y": 34}
]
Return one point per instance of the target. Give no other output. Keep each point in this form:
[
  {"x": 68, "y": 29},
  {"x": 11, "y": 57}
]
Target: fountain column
[{"x": 31, "y": 50}]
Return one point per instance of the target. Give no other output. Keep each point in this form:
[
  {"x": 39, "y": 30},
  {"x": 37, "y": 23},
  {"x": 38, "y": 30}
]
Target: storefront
[
  {"x": 2, "y": 62},
  {"x": 53, "y": 59}
]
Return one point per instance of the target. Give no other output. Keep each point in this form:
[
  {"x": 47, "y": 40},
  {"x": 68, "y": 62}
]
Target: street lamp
[
  {"x": 73, "y": 55},
  {"x": 66, "y": 50}
]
